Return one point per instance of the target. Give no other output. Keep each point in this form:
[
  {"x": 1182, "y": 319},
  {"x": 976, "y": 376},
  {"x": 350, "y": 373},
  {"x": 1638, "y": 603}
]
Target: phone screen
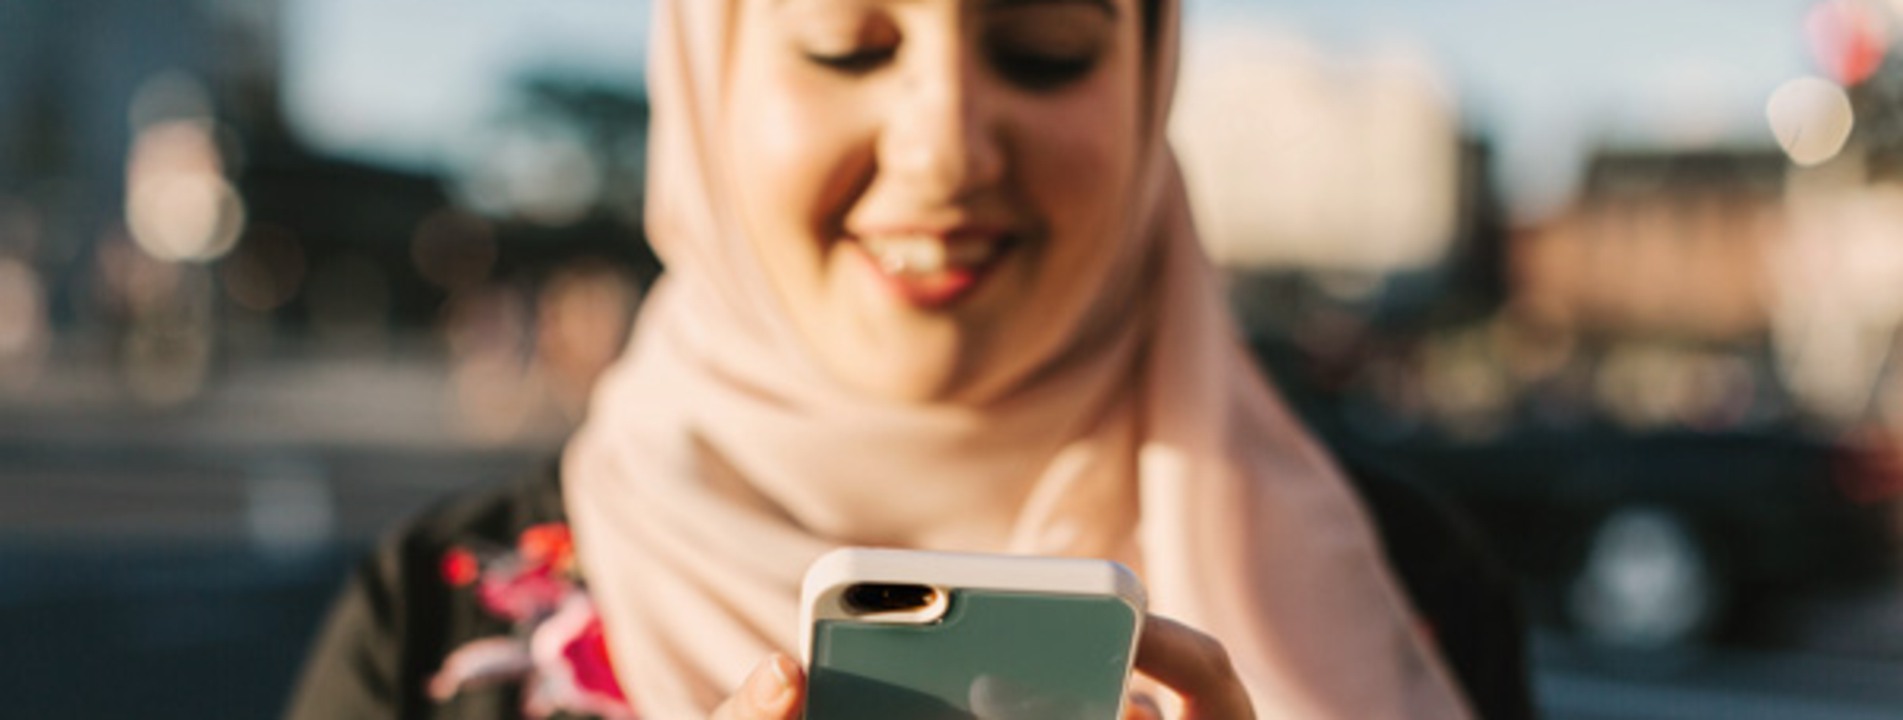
[{"x": 993, "y": 655}]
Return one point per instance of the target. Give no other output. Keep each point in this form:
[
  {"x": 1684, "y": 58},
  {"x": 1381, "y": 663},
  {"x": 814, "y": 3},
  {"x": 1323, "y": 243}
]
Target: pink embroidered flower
[
  {"x": 587, "y": 655},
  {"x": 558, "y": 650},
  {"x": 460, "y": 567},
  {"x": 571, "y": 654},
  {"x": 548, "y": 545},
  {"x": 488, "y": 661},
  {"x": 522, "y": 593}
]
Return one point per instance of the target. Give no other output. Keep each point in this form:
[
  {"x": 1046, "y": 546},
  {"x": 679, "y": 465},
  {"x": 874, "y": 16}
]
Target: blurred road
[
  {"x": 185, "y": 582},
  {"x": 1730, "y": 683},
  {"x": 396, "y": 395}
]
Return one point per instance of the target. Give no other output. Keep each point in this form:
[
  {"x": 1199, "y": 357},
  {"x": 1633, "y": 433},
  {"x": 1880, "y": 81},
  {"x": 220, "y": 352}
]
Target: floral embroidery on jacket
[{"x": 556, "y": 650}]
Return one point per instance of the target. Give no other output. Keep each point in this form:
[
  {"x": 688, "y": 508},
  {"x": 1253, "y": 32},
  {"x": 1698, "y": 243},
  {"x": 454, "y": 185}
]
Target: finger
[
  {"x": 771, "y": 692},
  {"x": 1196, "y": 667},
  {"x": 1142, "y": 707}
]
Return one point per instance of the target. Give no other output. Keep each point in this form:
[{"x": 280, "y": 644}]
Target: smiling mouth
[
  {"x": 923, "y": 254},
  {"x": 933, "y": 271}
]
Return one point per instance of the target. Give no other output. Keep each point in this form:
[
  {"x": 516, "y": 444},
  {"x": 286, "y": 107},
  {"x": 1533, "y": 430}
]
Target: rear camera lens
[{"x": 886, "y": 597}]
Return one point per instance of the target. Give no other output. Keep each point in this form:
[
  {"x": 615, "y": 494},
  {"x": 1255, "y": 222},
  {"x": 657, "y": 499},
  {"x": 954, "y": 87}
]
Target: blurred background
[{"x": 1624, "y": 279}]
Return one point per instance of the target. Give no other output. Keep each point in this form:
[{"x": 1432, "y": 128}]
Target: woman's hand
[
  {"x": 1192, "y": 665},
  {"x": 1195, "y": 667},
  {"x": 775, "y": 691}
]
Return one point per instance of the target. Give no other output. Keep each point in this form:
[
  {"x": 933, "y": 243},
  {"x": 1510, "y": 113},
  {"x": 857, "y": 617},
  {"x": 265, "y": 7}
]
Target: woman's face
[{"x": 931, "y": 183}]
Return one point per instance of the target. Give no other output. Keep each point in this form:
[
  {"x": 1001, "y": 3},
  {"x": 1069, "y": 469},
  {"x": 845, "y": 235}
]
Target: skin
[
  {"x": 851, "y": 118},
  {"x": 859, "y": 117}
]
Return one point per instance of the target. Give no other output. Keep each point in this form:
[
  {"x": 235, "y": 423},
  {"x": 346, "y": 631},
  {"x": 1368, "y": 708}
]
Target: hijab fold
[{"x": 719, "y": 459}]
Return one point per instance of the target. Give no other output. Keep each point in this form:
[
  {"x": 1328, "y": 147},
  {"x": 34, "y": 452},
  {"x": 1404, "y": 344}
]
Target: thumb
[{"x": 771, "y": 692}]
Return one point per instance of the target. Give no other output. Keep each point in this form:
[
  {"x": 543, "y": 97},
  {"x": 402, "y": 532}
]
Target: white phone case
[{"x": 1005, "y": 637}]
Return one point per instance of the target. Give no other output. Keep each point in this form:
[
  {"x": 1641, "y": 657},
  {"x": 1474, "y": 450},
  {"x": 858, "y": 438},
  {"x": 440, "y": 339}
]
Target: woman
[{"x": 931, "y": 283}]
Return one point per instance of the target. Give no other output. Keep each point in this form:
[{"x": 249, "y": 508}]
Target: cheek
[
  {"x": 1079, "y": 163},
  {"x": 1078, "y": 166},
  {"x": 795, "y": 148}
]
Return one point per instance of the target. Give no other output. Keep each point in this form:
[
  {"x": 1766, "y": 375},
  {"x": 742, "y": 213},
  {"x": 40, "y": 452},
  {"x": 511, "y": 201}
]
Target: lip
[{"x": 943, "y": 288}]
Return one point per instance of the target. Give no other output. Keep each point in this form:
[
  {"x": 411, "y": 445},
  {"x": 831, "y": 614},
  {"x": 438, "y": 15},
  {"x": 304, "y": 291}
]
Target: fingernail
[
  {"x": 1144, "y": 707},
  {"x": 770, "y": 682}
]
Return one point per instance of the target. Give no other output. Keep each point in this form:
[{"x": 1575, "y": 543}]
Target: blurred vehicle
[
  {"x": 1646, "y": 539},
  {"x": 1651, "y": 539}
]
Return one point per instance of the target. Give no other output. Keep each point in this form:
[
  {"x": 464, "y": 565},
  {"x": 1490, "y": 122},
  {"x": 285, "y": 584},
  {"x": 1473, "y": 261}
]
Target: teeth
[
  {"x": 925, "y": 254},
  {"x": 915, "y": 254}
]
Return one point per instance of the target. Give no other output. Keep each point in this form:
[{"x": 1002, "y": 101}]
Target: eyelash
[
  {"x": 1042, "y": 73},
  {"x": 1031, "y": 71},
  {"x": 855, "y": 63}
]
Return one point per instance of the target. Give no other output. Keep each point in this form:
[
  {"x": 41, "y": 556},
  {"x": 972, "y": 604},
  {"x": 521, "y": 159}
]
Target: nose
[{"x": 944, "y": 129}]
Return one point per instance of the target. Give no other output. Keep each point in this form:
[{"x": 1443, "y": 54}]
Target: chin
[
  {"x": 912, "y": 380},
  {"x": 886, "y": 349},
  {"x": 906, "y": 388},
  {"x": 906, "y": 368}
]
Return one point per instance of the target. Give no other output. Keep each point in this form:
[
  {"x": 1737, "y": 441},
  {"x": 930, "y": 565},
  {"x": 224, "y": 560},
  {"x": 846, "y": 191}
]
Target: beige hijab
[{"x": 719, "y": 459}]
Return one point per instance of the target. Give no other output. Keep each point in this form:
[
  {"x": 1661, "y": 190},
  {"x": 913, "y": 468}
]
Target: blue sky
[{"x": 400, "y": 80}]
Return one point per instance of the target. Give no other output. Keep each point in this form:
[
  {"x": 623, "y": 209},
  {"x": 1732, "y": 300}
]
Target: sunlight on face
[{"x": 930, "y": 182}]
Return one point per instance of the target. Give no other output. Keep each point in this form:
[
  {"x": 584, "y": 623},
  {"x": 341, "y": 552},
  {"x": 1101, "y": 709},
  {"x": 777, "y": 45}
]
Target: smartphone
[{"x": 914, "y": 635}]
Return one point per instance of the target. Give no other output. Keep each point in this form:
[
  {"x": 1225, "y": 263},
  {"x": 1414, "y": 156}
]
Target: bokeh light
[
  {"x": 178, "y": 204},
  {"x": 1849, "y": 37},
  {"x": 266, "y": 271},
  {"x": 24, "y": 333},
  {"x": 582, "y": 318},
  {"x": 1811, "y": 118},
  {"x": 494, "y": 388}
]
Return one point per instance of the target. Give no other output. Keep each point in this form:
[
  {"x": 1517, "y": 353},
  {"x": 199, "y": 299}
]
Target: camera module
[{"x": 867, "y": 598}]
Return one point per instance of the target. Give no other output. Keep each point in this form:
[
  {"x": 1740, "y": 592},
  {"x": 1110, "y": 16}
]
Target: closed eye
[
  {"x": 856, "y": 62},
  {"x": 1037, "y": 71}
]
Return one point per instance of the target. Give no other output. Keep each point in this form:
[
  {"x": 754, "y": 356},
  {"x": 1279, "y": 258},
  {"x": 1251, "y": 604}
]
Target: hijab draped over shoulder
[{"x": 719, "y": 458}]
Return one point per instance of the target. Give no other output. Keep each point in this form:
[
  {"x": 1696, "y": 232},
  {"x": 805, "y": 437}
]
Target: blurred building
[
  {"x": 1669, "y": 244},
  {"x": 1300, "y": 159},
  {"x": 166, "y": 219}
]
